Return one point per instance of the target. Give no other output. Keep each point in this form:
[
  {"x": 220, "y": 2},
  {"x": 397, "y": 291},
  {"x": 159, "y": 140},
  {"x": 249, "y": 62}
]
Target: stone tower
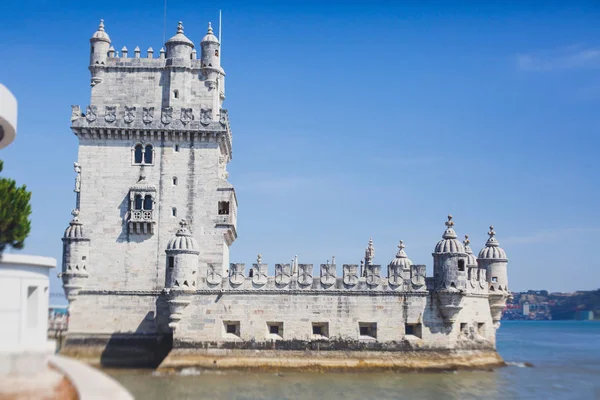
[
  {"x": 154, "y": 144},
  {"x": 493, "y": 259}
]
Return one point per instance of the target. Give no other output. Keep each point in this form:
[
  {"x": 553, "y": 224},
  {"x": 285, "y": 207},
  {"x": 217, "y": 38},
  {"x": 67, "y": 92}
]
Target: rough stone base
[{"x": 159, "y": 353}]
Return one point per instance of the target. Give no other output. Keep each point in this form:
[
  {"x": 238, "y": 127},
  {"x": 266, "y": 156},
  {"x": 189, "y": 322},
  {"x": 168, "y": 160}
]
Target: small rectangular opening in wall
[
  {"x": 494, "y": 279},
  {"x": 320, "y": 329},
  {"x": 481, "y": 328},
  {"x": 174, "y": 211},
  {"x": 463, "y": 326},
  {"x": 275, "y": 329},
  {"x": 177, "y": 148},
  {"x": 232, "y": 327},
  {"x": 413, "y": 330},
  {"x": 461, "y": 265},
  {"x": 367, "y": 330},
  {"x": 223, "y": 208},
  {"x": 170, "y": 262}
]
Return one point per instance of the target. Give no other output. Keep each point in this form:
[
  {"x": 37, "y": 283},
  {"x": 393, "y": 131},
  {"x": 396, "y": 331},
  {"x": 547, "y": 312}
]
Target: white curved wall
[
  {"x": 24, "y": 292},
  {"x": 8, "y": 116}
]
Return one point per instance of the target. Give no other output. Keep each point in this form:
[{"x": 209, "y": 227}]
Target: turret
[
  {"x": 99, "y": 46},
  {"x": 181, "y": 272},
  {"x": 76, "y": 248},
  {"x": 211, "y": 57},
  {"x": 179, "y": 46},
  {"x": 399, "y": 268},
  {"x": 449, "y": 260},
  {"x": 493, "y": 258}
]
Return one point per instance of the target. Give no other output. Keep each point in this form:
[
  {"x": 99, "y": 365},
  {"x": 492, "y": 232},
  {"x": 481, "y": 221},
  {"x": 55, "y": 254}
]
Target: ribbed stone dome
[
  {"x": 180, "y": 37},
  {"x": 492, "y": 249},
  {"x": 401, "y": 259},
  {"x": 100, "y": 34},
  {"x": 75, "y": 228},
  {"x": 471, "y": 259},
  {"x": 449, "y": 243},
  {"x": 183, "y": 240},
  {"x": 210, "y": 37}
]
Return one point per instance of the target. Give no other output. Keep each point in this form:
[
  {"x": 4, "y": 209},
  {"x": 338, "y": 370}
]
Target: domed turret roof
[
  {"x": 449, "y": 243},
  {"x": 183, "y": 240},
  {"x": 180, "y": 37},
  {"x": 210, "y": 37},
  {"x": 471, "y": 259},
  {"x": 492, "y": 249},
  {"x": 100, "y": 34},
  {"x": 75, "y": 228},
  {"x": 401, "y": 259}
]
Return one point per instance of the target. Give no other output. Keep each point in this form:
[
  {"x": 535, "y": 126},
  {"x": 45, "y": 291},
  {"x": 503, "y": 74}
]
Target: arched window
[
  {"x": 148, "y": 202},
  {"x": 137, "y": 204},
  {"x": 138, "y": 154},
  {"x": 148, "y": 154}
]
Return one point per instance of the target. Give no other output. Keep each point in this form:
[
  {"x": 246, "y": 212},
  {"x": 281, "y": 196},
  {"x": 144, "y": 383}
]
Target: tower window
[
  {"x": 232, "y": 328},
  {"x": 275, "y": 329},
  {"x": 137, "y": 204},
  {"x": 217, "y": 52},
  {"x": 148, "y": 154},
  {"x": 148, "y": 202},
  {"x": 170, "y": 262},
  {"x": 320, "y": 329},
  {"x": 223, "y": 208},
  {"x": 177, "y": 148},
  {"x": 176, "y": 94},
  {"x": 174, "y": 211},
  {"x": 413, "y": 330},
  {"x": 461, "y": 265},
  {"x": 494, "y": 279},
  {"x": 174, "y": 181},
  {"x": 367, "y": 330},
  {"x": 138, "y": 154}
]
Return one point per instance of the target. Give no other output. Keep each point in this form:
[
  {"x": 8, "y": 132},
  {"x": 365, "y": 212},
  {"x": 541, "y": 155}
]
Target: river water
[{"x": 565, "y": 357}]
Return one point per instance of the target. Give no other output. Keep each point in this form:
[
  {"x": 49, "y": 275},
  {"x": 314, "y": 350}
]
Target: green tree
[{"x": 14, "y": 213}]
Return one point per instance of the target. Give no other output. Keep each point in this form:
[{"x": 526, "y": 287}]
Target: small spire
[
  {"x": 450, "y": 223},
  {"x": 124, "y": 52},
  {"x": 210, "y": 31},
  {"x": 75, "y": 213},
  {"x": 150, "y": 52},
  {"x": 183, "y": 230},
  {"x": 101, "y": 26},
  {"x": 401, "y": 246},
  {"x": 401, "y": 253},
  {"x": 492, "y": 241},
  {"x": 180, "y": 27},
  {"x": 491, "y": 233},
  {"x": 259, "y": 259},
  {"x": 162, "y": 52},
  {"x": 466, "y": 241}
]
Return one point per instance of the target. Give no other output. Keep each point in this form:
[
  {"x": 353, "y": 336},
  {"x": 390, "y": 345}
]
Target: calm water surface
[{"x": 565, "y": 355}]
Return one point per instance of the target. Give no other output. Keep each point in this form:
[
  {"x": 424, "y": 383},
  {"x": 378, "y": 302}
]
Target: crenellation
[{"x": 159, "y": 216}]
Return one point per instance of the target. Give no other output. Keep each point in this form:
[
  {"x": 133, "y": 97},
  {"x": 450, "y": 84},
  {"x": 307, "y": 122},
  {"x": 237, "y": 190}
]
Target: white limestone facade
[{"x": 146, "y": 255}]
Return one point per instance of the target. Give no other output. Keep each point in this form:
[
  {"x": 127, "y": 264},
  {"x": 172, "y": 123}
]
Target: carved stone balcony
[
  {"x": 141, "y": 222},
  {"x": 227, "y": 222}
]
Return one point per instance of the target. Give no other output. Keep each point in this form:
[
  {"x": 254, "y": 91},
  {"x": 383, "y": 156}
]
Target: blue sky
[{"x": 353, "y": 120}]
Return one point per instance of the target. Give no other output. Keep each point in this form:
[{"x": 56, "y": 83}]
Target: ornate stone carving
[
  {"x": 205, "y": 116},
  {"x": 327, "y": 274},
  {"x": 283, "y": 274},
  {"x": 373, "y": 275},
  {"x": 147, "y": 114},
  {"x": 91, "y": 113},
  {"x": 129, "y": 114},
  {"x": 223, "y": 118},
  {"x": 213, "y": 275},
  {"x": 482, "y": 277},
  {"x": 75, "y": 113},
  {"x": 473, "y": 276},
  {"x": 77, "y": 169},
  {"x": 395, "y": 275},
  {"x": 259, "y": 273},
  {"x": 187, "y": 115},
  {"x": 418, "y": 273},
  {"x": 236, "y": 274},
  {"x": 166, "y": 115},
  {"x": 369, "y": 252},
  {"x": 305, "y": 274},
  {"x": 350, "y": 274},
  {"x": 110, "y": 114}
]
